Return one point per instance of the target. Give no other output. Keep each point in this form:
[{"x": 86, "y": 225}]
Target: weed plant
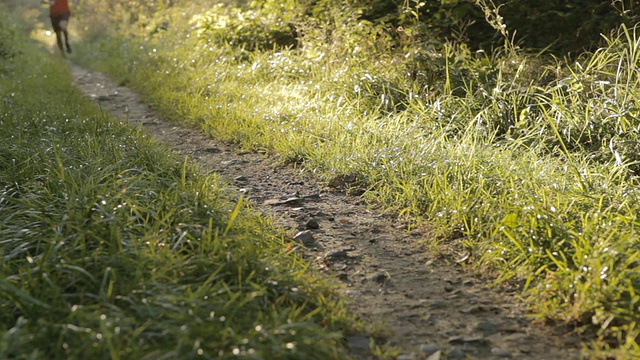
[
  {"x": 112, "y": 247},
  {"x": 530, "y": 163}
]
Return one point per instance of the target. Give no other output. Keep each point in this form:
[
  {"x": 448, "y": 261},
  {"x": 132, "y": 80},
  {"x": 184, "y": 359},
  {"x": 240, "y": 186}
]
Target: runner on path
[{"x": 60, "y": 13}]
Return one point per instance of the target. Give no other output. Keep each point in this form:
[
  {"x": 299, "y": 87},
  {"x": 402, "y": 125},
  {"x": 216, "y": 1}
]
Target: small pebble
[
  {"x": 406, "y": 357},
  {"x": 435, "y": 356},
  {"x": 312, "y": 224},
  {"x": 455, "y": 353},
  {"x": 305, "y": 238},
  {"x": 380, "y": 277},
  {"x": 353, "y": 293},
  {"x": 500, "y": 352},
  {"x": 335, "y": 255},
  {"x": 428, "y": 349},
  {"x": 486, "y": 327}
]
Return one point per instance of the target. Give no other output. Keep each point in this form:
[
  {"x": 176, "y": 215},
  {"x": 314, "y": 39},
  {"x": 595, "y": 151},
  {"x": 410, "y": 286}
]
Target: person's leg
[
  {"x": 63, "y": 27},
  {"x": 66, "y": 41},
  {"x": 57, "y": 28},
  {"x": 59, "y": 24},
  {"x": 59, "y": 40}
]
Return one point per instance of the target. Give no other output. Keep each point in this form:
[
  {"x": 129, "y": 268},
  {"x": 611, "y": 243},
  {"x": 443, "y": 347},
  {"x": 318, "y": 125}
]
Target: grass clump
[
  {"x": 112, "y": 247},
  {"x": 529, "y": 162}
]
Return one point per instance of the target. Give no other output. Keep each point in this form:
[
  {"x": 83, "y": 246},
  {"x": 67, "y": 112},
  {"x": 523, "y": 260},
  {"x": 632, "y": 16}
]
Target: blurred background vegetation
[{"x": 560, "y": 27}]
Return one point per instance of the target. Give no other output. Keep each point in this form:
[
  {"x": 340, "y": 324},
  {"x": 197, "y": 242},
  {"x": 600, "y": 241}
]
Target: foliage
[
  {"x": 112, "y": 247},
  {"x": 560, "y": 26},
  {"x": 7, "y": 48},
  {"x": 263, "y": 25}
]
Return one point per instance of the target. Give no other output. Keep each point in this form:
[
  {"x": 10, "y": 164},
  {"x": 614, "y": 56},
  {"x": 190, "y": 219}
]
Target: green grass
[
  {"x": 113, "y": 247},
  {"x": 529, "y": 162}
]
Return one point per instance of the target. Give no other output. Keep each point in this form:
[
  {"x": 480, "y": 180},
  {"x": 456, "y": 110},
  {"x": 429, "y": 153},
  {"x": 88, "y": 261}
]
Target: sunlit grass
[
  {"x": 112, "y": 247},
  {"x": 529, "y": 163}
]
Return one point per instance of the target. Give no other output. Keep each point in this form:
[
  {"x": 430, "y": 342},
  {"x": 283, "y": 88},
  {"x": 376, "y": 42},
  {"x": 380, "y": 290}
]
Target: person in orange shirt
[{"x": 60, "y": 13}]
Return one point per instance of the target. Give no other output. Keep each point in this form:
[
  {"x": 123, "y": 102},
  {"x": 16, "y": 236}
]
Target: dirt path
[{"x": 432, "y": 309}]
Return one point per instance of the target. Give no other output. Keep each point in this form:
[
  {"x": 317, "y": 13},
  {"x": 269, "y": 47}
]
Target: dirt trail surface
[{"x": 431, "y": 308}]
